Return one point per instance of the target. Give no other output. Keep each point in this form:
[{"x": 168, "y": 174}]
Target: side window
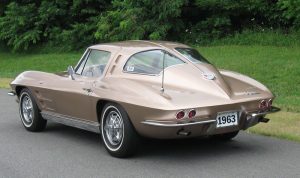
[
  {"x": 95, "y": 63},
  {"x": 150, "y": 62}
]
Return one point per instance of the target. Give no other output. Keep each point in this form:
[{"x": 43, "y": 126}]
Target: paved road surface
[{"x": 61, "y": 151}]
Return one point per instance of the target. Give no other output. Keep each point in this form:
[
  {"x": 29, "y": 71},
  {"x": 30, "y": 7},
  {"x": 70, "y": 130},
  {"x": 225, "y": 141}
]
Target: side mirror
[{"x": 71, "y": 72}]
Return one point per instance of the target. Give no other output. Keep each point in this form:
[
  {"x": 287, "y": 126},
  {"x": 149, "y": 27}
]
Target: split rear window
[
  {"x": 150, "y": 62},
  {"x": 192, "y": 54}
]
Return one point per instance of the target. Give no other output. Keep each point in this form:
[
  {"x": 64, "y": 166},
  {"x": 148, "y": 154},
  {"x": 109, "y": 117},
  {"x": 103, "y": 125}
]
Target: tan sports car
[{"x": 155, "y": 89}]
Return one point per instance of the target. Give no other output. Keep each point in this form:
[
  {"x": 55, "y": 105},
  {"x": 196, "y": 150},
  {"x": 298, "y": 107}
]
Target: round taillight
[
  {"x": 192, "y": 113},
  {"x": 180, "y": 115},
  {"x": 270, "y": 102},
  {"x": 263, "y": 105}
]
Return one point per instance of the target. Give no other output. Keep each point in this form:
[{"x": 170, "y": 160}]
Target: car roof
[{"x": 138, "y": 45}]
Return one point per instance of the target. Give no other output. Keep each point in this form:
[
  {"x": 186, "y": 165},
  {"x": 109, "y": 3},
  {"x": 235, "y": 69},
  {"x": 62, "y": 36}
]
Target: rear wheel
[
  {"x": 29, "y": 112},
  {"x": 225, "y": 136},
  {"x": 119, "y": 136}
]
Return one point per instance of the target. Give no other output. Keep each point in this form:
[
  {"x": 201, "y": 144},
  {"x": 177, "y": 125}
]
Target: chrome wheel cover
[
  {"x": 113, "y": 128},
  {"x": 26, "y": 110}
]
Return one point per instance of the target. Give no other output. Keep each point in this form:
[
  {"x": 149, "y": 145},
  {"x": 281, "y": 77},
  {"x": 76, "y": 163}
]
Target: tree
[{"x": 140, "y": 19}]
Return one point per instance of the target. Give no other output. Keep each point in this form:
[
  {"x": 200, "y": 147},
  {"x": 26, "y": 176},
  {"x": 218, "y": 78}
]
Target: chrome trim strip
[
  {"x": 273, "y": 109},
  {"x": 11, "y": 93},
  {"x": 73, "y": 122},
  {"x": 160, "y": 124}
]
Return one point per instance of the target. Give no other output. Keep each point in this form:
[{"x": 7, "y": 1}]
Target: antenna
[{"x": 163, "y": 73}]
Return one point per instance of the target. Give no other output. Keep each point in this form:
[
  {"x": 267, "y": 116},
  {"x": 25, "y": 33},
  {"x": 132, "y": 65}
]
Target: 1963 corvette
[{"x": 154, "y": 89}]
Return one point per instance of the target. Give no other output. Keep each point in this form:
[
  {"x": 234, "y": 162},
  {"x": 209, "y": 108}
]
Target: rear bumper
[
  {"x": 204, "y": 126},
  {"x": 258, "y": 114},
  {"x": 252, "y": 118},
  {"x": 176, "y": 124}
]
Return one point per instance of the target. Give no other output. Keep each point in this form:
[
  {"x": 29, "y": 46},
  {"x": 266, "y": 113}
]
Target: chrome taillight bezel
[
  {"x": 176, "y": 115},
  {"x": 263, "y": 105},
  {"x": 270, "y": 102},
  {"x": 192, "y": 110}
]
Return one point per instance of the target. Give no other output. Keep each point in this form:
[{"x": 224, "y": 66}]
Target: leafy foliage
[
  {"x": 77, "y": 23},
  {"x": 19, "y": 30},
  {"x": 140, "y": 19},
  {"x": 26, "y": 23},
  {"x": 291, "y": 11}
]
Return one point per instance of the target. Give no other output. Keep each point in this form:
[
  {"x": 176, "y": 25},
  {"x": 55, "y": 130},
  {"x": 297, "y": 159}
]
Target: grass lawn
[
  {"x": 276, "y": 67},
  {"x": 4, "y": 82},
  {"x": 282, "y": 125},
  {"x": 13, "y": 64}
]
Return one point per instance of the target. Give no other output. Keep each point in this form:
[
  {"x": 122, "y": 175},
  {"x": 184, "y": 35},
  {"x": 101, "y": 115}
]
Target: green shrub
[
  {"x": 71, "y": 23},
  {"x": 291, "y": 11},
  {"x": 77, "y": 23},
  {"x": 19, "y": 30},
  {"x": 140, "y": 19}
]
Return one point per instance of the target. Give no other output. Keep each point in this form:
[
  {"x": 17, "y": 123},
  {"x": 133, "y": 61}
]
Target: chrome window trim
[{"x": 83, "y": 57}]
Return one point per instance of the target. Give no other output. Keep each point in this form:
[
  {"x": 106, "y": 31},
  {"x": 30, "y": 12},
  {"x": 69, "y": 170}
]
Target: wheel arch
[
  {"x": 18, "y": 89},
  {"x": 100, "y": 106}
]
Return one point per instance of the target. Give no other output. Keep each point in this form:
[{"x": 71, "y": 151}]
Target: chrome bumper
[
  {"x": 257, "y": 114},
  {"x": 252, "y": 118},
  {"x": 172, "y": 124}
]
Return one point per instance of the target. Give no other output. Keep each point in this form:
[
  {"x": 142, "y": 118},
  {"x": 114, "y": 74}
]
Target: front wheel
[
  {"x": 29, "y": 112},
  {"x": 119, "y": 136}
]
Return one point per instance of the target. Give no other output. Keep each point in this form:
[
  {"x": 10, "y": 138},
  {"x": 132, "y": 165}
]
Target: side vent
[
  {"x": 118, "y": 58},
  {"x": 112, "y": 69},
  {"x": 114, "y": 65}
]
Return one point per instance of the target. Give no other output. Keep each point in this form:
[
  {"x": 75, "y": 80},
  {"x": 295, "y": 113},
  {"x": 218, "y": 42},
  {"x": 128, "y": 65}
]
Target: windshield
[{"x": 192, "y": 54}]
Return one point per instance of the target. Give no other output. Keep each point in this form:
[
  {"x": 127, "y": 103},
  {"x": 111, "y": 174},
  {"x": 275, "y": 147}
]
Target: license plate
[{"x": 226, "y": 119}]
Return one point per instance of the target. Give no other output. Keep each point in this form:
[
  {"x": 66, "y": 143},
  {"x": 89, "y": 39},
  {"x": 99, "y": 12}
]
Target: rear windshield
[
  {"x": 150, "y": 62},
  {"x": 192, "y": 54}
]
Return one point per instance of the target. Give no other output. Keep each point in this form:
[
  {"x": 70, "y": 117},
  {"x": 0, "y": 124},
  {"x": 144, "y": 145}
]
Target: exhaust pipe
[
  {"x": 11, "y": 93},
  {"x": 182, "y": 132},
  {"x": 264, "y": 120}
]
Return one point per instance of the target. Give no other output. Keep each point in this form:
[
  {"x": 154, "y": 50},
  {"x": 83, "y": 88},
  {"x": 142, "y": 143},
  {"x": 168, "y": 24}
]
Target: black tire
[
  {"x": 225, "y": 136},
  {"x": 35, "y": 123},
  {"x": 127, "y": 145}
]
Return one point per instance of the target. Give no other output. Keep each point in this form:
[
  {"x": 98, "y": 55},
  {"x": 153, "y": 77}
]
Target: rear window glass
[
  {"x": 192, "y": 55},
  {"x": 150, "y": 62}
]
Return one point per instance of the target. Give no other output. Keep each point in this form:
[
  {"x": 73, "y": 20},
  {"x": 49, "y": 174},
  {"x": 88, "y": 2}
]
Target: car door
[{"x": 73, "y": 99}]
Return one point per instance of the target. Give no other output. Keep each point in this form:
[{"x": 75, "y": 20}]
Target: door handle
[{"x": 87, "y": 89}]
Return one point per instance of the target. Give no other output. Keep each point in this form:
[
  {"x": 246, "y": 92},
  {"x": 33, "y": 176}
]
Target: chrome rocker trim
[
  {"x": 164, "y": 124},
  {"x": 73, "y": 122}
]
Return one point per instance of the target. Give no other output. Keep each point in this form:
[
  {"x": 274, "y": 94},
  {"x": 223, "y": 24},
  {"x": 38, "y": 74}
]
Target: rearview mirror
[{"x": 71, "y": 72}]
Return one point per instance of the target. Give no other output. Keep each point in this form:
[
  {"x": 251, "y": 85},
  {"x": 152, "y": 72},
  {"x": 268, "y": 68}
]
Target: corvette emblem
[{"x": 209, "y": 76}]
